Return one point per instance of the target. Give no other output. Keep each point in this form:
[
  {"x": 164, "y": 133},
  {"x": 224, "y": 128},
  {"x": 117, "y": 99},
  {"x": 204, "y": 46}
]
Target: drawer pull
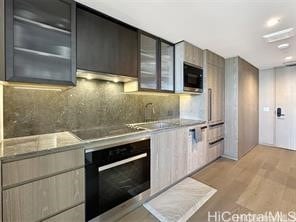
[
  {"x": 217, "y": 124},
  {"x": 216, "y": 141}
]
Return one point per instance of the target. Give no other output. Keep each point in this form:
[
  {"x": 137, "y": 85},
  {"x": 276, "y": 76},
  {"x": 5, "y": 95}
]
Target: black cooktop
[{"x": 102, "y": 132}]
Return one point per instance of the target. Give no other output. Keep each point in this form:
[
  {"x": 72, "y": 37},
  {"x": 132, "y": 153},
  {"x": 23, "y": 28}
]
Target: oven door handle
[{"x": 121, "y": 162}]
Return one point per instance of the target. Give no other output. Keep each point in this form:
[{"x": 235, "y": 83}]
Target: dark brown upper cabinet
[
  {"x": 156, "y": 69},
  {"x": 40, "y": 41},
  {"x": 105, "y": 45}
]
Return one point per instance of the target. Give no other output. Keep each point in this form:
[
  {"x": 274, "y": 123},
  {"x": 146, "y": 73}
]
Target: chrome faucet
[{"x": 152, "y": 112}]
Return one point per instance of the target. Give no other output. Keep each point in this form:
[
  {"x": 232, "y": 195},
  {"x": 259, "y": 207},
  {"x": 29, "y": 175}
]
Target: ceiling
[{"x": 227, "y": 27}]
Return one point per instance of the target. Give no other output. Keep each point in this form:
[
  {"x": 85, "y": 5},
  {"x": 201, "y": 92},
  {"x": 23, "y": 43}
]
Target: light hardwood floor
[{"x": 263, "y": 180}]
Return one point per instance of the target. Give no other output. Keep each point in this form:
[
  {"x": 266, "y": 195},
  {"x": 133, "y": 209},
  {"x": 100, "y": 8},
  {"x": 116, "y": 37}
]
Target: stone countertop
[{"x": 29, "y": 146}]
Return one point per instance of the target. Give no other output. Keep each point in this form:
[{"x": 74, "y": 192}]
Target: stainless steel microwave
[{"x": 193, "y": 78}]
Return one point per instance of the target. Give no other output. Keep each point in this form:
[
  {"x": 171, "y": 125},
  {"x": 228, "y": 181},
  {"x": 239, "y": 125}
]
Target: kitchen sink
[{"x": 154, "y": 125}]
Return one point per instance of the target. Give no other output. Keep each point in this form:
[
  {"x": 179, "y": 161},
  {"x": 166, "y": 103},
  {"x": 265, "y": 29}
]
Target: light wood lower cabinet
[
  {"x": 161, "y": 151},
  {"x": 216, "y": 132},
  {"x": 41, "y": 166},
  {"x": 174, "y": 155},
  {"x": 75, "y": 214},
  {"x": 215, "y": 150},
  {"x": 179, "y": 155},
  {"x": 43, "y": 198},
  {"x": 168, "y": 158},
  {"x": 197, "y": 153}
]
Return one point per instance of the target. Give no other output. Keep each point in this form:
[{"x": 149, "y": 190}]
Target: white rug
[{"x": 181, "y": 201}]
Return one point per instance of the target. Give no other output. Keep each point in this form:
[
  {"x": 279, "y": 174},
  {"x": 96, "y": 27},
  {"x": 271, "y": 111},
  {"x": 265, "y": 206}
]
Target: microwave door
[{"x": 193, "y": 79}]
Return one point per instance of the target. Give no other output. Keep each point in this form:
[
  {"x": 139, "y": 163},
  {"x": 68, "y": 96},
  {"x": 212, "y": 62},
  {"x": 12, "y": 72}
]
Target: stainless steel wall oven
[{"x": 115, "y": 175}]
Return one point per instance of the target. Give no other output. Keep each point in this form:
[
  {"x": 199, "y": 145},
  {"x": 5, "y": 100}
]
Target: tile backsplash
[{"x": 90, "y": 104}]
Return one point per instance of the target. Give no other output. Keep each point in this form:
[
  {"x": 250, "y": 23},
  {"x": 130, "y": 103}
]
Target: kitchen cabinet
[
  {"x": 241, "y": 107},
  {"x": 148, "y": 62},
  {"x": 193, "y": 54},
  {"x": 40, "y": 41},
  {"x": 156, "y": 65},
  {"x": 47, "y": 187},
  {"x": 167, "y": 76},
  {"x": 215, "y": 74},
  {"x": 215, "y": 149},
  {"x": 186, "y": 53},
  {"x": 75, "y": 214},
  {"x": 179, "y": 155},
  {"x": 215, "y": 69},
  {"x": 197, "y": 151},
  {"x": 105, "y": 45},
  {"x": 168, "y": 158},
  {"x": 28, "y": 169},
  {"x": 161, "y": 161},
  {"x": 43, "y": 198},
  {"x": 174, "y": 155}
]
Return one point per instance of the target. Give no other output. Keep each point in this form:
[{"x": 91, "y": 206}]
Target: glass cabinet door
[
  {"x": 148, "y": 64},
  {"x": 167, "y": 66},
  {"x": 42, "y": 41}
]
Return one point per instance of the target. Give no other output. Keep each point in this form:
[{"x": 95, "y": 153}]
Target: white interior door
[{"x": 285, "y": 123}]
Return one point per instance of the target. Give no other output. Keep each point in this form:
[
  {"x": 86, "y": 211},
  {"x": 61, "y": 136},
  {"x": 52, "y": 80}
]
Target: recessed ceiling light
[
  {"x": 288, "y": 58},
  {"x": 283, "y": 46},
  {"x": 272, "y": 22},
  {"x": 280, "y": 35}
]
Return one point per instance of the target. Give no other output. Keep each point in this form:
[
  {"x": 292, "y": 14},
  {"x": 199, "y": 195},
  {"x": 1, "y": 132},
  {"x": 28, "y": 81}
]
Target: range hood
[{"x": 103, "y": 76}]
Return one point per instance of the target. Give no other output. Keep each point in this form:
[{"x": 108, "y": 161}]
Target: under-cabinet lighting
[
  {"x": 37, "y": 88},
  {"x": 103, "y": 76},
  {"x": 31, "y": 86},
  {"x": 280, "y": 35}
]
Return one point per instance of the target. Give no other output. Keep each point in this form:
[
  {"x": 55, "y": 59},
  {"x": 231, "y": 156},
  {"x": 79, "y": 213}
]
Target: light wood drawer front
[
  {"x": 28, "y": 169},
  {"x": 43, "y": 198},
  {"x": 76, "y": 214},
  {"x": 214, "y": 151},
  {"x": 216, "y": 132}
]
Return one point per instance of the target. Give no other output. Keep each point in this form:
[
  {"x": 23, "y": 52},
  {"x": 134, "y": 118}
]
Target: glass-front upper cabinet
[
  {"x": 148, "y": 64},
  {"x": 41, "y": 41},
  {"x": 156, "y": 64},
  {"x": 167, "y": 66}
]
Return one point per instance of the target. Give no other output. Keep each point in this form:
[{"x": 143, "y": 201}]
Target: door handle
[
  {"x": 210, "y": 104},
  {"x": 279, "y": 112}
]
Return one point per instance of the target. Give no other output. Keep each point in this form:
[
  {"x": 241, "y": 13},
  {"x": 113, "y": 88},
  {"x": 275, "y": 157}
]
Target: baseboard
[
  {"x": 274, "y": 146},
  {"x": 229, "y": 157},
  {"x": 267, "y": 144}
]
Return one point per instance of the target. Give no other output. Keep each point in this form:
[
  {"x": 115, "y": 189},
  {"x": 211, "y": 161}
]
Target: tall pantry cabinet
[
  {"x": 214, "y": 67},
  {"x": 241, "y": 107}
]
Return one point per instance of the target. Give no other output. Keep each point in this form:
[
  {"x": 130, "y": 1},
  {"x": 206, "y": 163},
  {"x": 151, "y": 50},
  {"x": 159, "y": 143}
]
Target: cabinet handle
[
  {"x": 216, "y": 141},
  {"x": 216, "y": 124},
  {"x": 210, "y": 104}
]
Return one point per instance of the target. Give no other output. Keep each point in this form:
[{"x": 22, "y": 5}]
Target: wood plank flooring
[{"x": 263, "y": 180}]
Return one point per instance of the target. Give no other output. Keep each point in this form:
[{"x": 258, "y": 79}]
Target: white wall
[{"x": 267, "y": 107}]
